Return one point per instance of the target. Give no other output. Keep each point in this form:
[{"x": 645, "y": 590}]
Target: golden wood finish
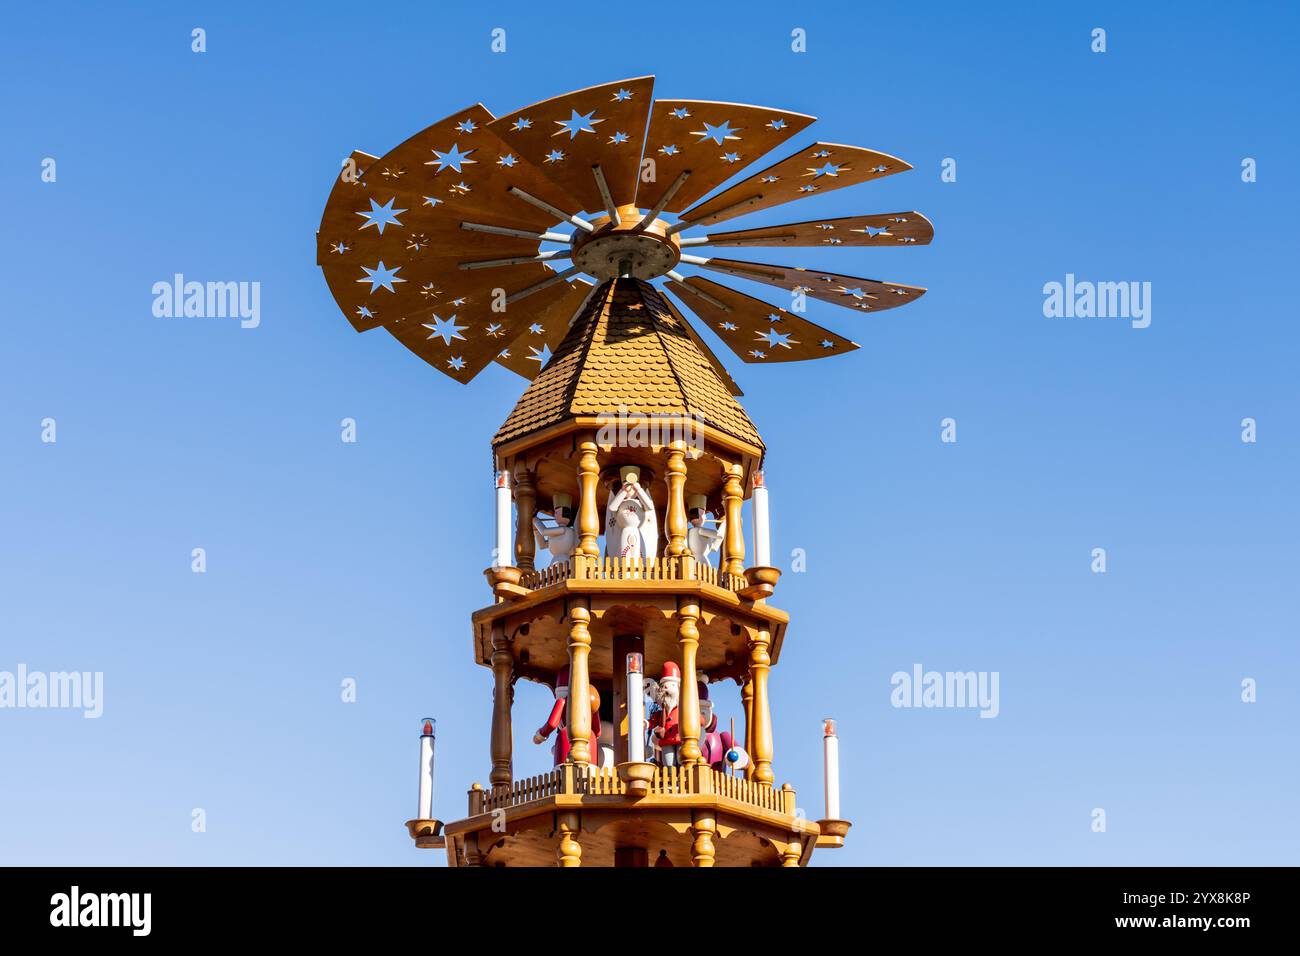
[
  {"x": 675, "y": 524},
  {"x": 703, "y": 826},
  {"x": 579, "y": 684},
  {"x": 525, "y": 510},
  {"x": 503, "y": 694},
  {"x": 760, "y": 731},
  {"x": 612, "y": 109},
  {"x": 882, "y": 229},
  {"x": 539, "y": 337},
  {"x": 688, "y": 637},
  {"x": 851, "y": 292},
  {"x": 684, "y": 136},
  {"x": 757, "y": 332},
  {"x": 819, "y": 168},
  {"x": 466, "y": 242},
  {"x": 588, "y": 515},
  {"x": 733, "y": 493}
]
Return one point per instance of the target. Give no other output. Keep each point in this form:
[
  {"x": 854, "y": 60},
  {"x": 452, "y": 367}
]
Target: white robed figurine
[
  {"x": 631, "y": 527},
  {"x": 561, "y": 539},
  {"x": 701, "y": 540}
]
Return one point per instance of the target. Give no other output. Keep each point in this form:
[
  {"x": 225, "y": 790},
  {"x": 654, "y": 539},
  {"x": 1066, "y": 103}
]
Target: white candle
[
  {"x": 635, "y": 710},
  {"x": 504, "y": 552},
  {"x": 425, "y": 812},
  {"x": 762, "y": 540},
  {"x": 831, "y": 751}
]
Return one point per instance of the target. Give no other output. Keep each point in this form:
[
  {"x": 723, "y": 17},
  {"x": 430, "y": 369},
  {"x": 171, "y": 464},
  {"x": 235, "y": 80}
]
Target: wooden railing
[
  {"x": 667, "y": 781},
  {"x": 663, "y": 568}
]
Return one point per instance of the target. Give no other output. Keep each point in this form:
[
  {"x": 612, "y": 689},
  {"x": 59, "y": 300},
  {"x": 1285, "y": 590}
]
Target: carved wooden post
[
  {"x": 526, "y": 506},
  {"x": 676, "y": 518},
  {"x": 503, "y": 694},
  {"x": 759, "y": 731},
  {"x": 703, "y": 827},
  {"x": 588, "y": 513},
  {"x": 580, "y": 746},
  {"x": 790, "y": 855},
  {"x": 569, "y": 851},
  {"x": 747, "y": 704},
  {"x": 733, "y": 494},
  {"x": 688, "y": 636}
]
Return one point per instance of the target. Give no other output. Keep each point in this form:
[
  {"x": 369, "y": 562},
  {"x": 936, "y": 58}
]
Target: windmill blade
[
  {"x": 703, "y": 346},
  {"x": 883, "y": 229},
  {"x": 528, "y": 353},
  {"x": 402, "y": 218},
  {"x": 567, "y": 136},
  {"x": 757, "y": 332},
  {"x": 708, "y": 143},
  {"x": 819, "y": 168},
  {"x": 461, "y": 337},
  {"x": 852, "y": 292}
]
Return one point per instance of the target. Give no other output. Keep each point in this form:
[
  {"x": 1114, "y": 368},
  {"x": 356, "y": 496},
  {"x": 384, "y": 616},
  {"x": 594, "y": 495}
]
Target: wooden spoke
[
  {"x": 852, "y": 292},
  {"x": 757, "y": 332},
  {"x": 819, "y": 168},
  {"x": 884, "y": 229},
  {"x": 543, "y": 332},
  {"x": 566, "y": 135},
  {"x": 714, "y": 141}
]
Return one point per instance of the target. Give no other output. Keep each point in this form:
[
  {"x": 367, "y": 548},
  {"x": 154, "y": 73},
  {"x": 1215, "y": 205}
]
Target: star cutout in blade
[
  {"x": 447, "y": 328},
  {"x": 540, "y": 356},
  {"x": 380, "y": 216},
  {"x": 827, "y": 169},
  {"x": 452, "y": 158},
  {"x": 522, "y": 123},
  {"x": 622, "y": 95},
  {"x": 576, "y": 124},
  {"x": 719, "y": 134},
  {"x": 381, "y": 277},
  {"x": 774, "y": 338}
]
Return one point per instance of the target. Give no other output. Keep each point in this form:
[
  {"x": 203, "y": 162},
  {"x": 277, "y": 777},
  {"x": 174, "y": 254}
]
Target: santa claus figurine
[
  {"x": 665, "y": 731},
  {"x": 558, "y": 721}
]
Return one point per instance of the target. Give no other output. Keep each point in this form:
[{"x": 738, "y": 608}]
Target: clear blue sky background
[{"x": 328, "y": 560}]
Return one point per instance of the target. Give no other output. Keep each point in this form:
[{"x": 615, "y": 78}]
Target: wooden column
[
  {"x": 759, "y": 730},
  {"x": 569, "y": 851},
  {"x": 733, "y": 494},
  {"x": 503, "y": 695},
  {"x": 526, "y": 508},
  {"x": 676, "y": 517},
  {"x": 580, "y": 745},
  {"x": 473, "y": 855},
  {"x": 688, "y": 637},
  {"x": 790, "y": 855},
  {"x": 747, "y": 706},
  {"x": 703, "y": 826},
  {"x": 588, "y": 513}
]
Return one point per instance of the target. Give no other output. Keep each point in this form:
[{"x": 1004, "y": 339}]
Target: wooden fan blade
[
  {"x": 819, "y": 168},
  {"x": 567, "y": 135},
  {"x": 707, "y": 352},
  {"x": 883, "y": 229},
  {"x": 531, "y": 349},
  {"x": 757, "y": 332},
  {"x": 403, "y": 212},
  {"x": 710, "y": 141},
  {"x": 852, "y": 292},
  {"x": 460, "y": 335}
]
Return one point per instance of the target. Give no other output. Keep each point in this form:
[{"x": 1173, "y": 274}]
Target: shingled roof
[{"x": 627, "y": 348}]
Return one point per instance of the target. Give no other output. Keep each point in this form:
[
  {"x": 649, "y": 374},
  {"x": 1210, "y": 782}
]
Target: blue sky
[{"x": 328, "y": 561}]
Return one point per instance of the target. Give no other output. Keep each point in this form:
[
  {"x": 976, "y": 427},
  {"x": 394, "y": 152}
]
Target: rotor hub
[{"x": 611, "y": 251}]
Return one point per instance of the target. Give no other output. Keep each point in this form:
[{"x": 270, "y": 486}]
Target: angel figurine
[
  {"x": 561, "y": 539},
  {"x": 631, "y": 527},
  {"x": 701, "y": 540}
]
